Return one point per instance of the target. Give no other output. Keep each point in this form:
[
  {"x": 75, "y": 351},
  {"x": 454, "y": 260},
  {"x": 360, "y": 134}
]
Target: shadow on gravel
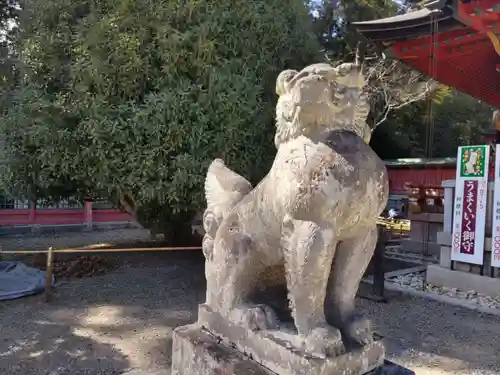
[
  {"x": 48, "y": 348},
  {"x": 125, "y": 320},
  {"x": 107, "y": 324},
  {"x": 436, "y": 335}
]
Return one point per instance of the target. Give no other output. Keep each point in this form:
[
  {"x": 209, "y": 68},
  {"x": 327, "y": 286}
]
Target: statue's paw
[
  {"x": 208, "y": 247},
  {"x": 358, "y": 331},
  {"x": 256, "y": 318},
  {"x": 210, "y": 223},
  {"x": 324, "y": 342}
]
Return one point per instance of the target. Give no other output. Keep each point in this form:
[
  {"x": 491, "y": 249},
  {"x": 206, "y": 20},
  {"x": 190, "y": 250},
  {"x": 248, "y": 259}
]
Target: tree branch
[{"x": 391, "y": 86}]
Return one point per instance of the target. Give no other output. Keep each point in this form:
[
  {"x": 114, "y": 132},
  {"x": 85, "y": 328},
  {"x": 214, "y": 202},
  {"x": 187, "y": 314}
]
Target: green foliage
[
  {"x": 333, "y": 18},
  {"x": 459, "y": 120},
  {"x": 433, "y": 126},
  {"x": 139, "y": 96},
  {"x": 135, "y": 98}
]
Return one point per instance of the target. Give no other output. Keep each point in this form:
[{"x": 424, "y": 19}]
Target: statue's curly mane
[{"x": 319, "y": 99}]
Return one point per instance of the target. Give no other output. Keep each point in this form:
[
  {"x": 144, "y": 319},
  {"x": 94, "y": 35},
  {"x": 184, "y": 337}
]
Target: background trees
[
  {"x": 413, "y": 117},
  {"x": 130, "y": 100}
]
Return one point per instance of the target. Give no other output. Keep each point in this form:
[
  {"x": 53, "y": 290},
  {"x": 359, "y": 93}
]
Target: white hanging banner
[
  {"x": 495, "y": 228},
  {"x": 469, "y": 218}
]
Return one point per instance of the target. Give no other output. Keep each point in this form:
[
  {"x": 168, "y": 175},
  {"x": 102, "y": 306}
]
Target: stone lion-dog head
[{"x": 321, "y": 98}]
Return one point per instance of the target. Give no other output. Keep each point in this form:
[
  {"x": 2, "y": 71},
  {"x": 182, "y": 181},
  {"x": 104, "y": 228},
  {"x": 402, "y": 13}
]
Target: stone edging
[{"x": 441, "y": 298}]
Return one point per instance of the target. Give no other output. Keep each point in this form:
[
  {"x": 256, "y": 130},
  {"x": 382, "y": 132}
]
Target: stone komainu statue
[{"x": 315, "y": 212}]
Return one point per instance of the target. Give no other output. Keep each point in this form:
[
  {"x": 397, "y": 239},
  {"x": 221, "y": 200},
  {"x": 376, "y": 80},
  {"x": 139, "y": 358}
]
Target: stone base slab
[
  {"x": 280, "y": 352},
  {"x": 198, "y": 352}
]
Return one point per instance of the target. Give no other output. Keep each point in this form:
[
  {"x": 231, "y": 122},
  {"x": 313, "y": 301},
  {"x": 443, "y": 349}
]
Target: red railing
[
  {"x": 399, "y": 179},
  {"x": 50, "y": 216}
]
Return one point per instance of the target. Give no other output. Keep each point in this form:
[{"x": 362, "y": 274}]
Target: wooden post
[
  {"x": 448, "y": 209},
  {"x": 496, "y": 124},
  {"x": 48, "y": 275},
  {"x": 379, "y": 269},
  {"x": 422, "y": 198},
  {"x": 378, "y": 285},
  {"x": 32, "y": 212},
  {"x": 87, "y": 214}
]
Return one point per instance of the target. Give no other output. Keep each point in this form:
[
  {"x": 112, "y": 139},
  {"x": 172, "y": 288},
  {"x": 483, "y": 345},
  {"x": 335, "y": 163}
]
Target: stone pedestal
[
  {"x": 281, "y": 350},
  {"x": 217, "y": 346},
  {"x": 198, "y": 352},
  {"x": 296, "y": 213}
]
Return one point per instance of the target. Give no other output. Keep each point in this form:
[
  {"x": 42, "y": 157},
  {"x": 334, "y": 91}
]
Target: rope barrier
[
  {"x": 100, "y": 250},
  {"x": 50, "y": 258}
]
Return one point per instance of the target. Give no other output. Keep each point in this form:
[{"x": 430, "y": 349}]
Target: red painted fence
[
  {"x": 50, "y": 216},
  {"x": 399, "y": 179}
]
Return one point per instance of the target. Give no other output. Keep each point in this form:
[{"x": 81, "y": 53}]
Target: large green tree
[{"x": 132, "y": 99}]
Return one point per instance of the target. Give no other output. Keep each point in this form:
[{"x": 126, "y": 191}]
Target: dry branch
[{"x": 391, "y": 86}]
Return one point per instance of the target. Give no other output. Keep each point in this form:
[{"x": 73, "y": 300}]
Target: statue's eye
[
  {"x": 286, "y": 109},
  {"x": 338, "y": 92},
  {"x": 342, "y": 88}
]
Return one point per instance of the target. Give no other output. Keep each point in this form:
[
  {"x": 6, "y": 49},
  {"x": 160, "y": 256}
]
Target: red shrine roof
[{"x": 451, "y": 40}]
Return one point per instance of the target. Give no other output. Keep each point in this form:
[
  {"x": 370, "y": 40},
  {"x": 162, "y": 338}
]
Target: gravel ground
[
  {"x": 416, "y": 281},
  {"x": 433, "y": 338},
  {"x": 124, "y": 320},
  {"x": 104, "y": 325}
]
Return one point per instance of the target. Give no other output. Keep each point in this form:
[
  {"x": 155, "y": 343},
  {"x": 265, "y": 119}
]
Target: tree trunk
[{"x": 179, "y": 231}]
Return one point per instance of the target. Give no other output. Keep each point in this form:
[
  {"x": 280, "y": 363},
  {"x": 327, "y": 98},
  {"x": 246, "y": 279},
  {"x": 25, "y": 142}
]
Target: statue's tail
[{"x": 223, "y": 190}]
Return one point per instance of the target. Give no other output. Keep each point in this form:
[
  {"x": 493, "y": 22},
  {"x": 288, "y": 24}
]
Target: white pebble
[{"x": 416, "y": 281}]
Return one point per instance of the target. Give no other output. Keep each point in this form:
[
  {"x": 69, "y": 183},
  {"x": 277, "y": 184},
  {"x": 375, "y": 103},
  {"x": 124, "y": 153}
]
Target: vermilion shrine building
[
  {"x": 403, "y": 173},
  {"x": 457, "y": 43},
  {"x": 17, "y": 217}
]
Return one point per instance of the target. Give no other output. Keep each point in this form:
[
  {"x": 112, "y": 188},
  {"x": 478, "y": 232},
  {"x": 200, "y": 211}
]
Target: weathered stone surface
[
  {"x": 283, "y": 352},
  {"x": 315, "y": 212},
  {"x": 197, "y": 352},
  {"x": 309, "y": 224}
]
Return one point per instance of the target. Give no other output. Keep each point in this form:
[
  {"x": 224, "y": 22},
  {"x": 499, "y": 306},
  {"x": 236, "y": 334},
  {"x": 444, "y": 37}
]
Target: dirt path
[{"x": 124, "y": 320}]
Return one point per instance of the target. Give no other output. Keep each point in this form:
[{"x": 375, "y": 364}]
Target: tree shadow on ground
[
  {"x": 46, "y": 347},
  {"x": 125, "y": 319},
  {"x": 91, "y": 323}
]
